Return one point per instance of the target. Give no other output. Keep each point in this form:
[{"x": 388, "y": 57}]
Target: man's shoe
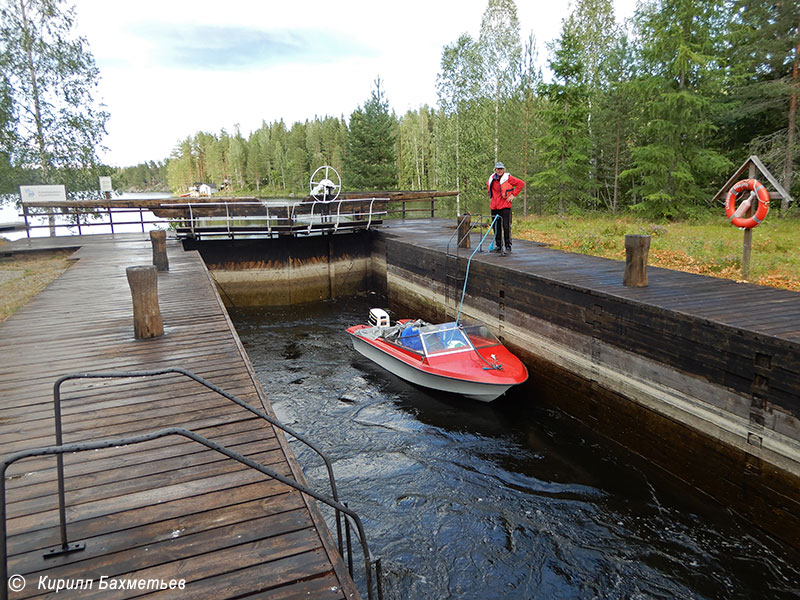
[
  {"x": 496, "y": 249},
  {"x": 508, "y": 249}
]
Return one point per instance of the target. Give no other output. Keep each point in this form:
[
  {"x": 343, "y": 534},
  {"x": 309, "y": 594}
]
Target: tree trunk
[
  {"x": 497, "y": 120},
  {"x": 525, "y": 157},
  {"x": 616, "y": 155},
  {"x": 788, "y": 163},
  {"x": 37, "y": 113}
]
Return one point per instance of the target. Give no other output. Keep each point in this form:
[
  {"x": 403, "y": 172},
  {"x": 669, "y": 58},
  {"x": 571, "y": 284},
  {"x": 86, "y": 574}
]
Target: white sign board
[
  {"x": 37, "y": 193},
  {"x": 105, "y": 184}
]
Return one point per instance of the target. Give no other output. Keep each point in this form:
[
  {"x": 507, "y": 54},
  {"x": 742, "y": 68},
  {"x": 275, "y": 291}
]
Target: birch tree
[
  {"x": 52, "y": 81},
  {"x": 500, "y": 50}
]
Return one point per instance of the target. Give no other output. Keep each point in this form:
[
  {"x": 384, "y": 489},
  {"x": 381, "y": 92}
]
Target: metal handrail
[
  {"x": 198, "y": 379},
  {"x": 192, "y": 222},
  {"x": 60, "y": 450}
]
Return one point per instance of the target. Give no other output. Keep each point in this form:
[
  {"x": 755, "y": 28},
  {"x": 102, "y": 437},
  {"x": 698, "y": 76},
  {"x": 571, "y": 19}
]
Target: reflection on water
[{"x": 507, "y": 500}]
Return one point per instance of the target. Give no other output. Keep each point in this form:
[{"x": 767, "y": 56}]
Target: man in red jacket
[{"x": 502, "y": 188}]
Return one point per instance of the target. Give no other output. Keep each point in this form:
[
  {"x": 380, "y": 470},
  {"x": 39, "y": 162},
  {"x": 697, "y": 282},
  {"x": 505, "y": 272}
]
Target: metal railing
[
  {"x": 60, "y": 450},
  {"x": 274, "y": 218},
  {"x": 277, "y": 217},
  {"x": 83, "y": 218},
  {"x": 179, "y": 371}
]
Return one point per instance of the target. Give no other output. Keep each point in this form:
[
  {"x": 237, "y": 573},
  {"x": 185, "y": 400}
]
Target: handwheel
[{"x": 322, "y": 187}]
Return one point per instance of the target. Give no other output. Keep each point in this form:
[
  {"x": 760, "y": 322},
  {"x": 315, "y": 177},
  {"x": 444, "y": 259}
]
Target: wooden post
[
  {"x": 158, "y": 238},
  {"x": 636, "y": 249},
  {"x": 747, "y": 242},
  {"x": 143, "y": 281},
  {"x": 464, "y": 225},
  {"x": 747, "y": 247}
]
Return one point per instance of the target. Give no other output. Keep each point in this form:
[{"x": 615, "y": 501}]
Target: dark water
[{"x": 507, "y": 500}]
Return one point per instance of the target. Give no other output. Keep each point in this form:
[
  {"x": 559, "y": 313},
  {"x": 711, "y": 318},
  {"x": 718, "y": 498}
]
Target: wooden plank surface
[
  {"x": 165, "y": 509},
  {"x": 738, "y": 305}
]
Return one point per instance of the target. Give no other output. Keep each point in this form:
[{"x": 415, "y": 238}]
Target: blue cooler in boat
[{"x": 409, "y": 337}]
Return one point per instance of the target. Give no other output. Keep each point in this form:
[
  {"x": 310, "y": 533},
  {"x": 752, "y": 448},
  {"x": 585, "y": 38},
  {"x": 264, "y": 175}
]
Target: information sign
[{"x": 38, "y": 193}]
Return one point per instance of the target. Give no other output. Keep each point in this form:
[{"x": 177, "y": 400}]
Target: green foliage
[
  {"x": 757, "y": 116},
  {"x": 648, "y": 117},
  {"x": 566, "y": 144},
  {"x": 500, "y": 52},
  {"x": 370, "y": 162},
  {"x": 149, "y": 176},
  {"x": 51, "y": 124},
  {"x": 673, "y": 168}
]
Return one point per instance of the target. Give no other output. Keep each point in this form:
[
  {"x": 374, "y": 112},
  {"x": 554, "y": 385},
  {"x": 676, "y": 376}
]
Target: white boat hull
[{"x": 476, "y": 390}]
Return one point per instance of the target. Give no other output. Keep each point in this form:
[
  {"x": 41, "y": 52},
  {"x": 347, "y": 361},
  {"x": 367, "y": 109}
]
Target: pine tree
[
  {"x": 565, "y": 146},
  {"x": 762, "y": 112},
  {"x": 370, "y": 162},
  {"x": 674, "y": 165}
]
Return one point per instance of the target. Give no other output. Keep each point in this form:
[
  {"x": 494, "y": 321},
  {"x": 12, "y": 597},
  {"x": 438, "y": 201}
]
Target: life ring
[{"x": 762, "y": 205}]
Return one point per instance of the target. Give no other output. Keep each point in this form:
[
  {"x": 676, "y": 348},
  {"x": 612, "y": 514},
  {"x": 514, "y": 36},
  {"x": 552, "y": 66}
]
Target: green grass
[
  {"x": 708, "y": 245},
  {"x": 24, "y": 276}
]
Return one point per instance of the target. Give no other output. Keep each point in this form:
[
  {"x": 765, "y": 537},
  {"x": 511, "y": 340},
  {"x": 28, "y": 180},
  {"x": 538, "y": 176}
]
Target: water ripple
[{"x": 509, "y": 500}]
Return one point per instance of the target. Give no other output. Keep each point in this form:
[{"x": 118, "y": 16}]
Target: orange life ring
[{"x": 762, "y": 205}]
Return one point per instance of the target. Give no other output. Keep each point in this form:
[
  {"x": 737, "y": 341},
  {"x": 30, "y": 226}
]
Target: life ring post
[
  {"x": 747, "y": 247},
  {"x": 750, "y": 213}
]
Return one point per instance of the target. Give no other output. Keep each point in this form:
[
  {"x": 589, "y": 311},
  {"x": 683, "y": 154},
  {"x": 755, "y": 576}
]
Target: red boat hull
[{"x": 482, "y": 374}]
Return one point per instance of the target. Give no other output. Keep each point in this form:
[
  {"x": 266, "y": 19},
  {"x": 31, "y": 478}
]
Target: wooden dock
[{"x": 165, "y": 510}]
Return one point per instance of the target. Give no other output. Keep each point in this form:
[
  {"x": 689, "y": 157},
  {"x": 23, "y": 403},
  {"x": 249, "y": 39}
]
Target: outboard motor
[{"x": 378, "y": 317}]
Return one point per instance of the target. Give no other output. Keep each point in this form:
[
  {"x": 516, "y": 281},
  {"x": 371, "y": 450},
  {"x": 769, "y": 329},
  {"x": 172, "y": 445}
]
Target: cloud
[{"x": 237, "y": 48}]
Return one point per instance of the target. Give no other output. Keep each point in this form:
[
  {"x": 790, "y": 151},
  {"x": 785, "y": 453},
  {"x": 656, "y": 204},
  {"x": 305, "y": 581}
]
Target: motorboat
[{"x": 464, "y": 359}]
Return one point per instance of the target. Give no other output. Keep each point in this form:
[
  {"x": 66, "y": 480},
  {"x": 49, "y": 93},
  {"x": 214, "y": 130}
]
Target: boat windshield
[
  {"x": 480, "y": 336},
  {"x": 423, "y": 338},
  {"x": 446, "y": 337}
]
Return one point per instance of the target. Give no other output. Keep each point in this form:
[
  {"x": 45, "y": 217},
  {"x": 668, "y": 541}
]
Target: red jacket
[{"x": 502, "y": 191}]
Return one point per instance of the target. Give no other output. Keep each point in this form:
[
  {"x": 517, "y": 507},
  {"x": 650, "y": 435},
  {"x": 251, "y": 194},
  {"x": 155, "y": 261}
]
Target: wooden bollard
[
  {"x": 636, "y": 249},
  {"x": 158, "y": 238},
  {"x": 147, "y": 321},
  {"x": 464, "y": 225}
]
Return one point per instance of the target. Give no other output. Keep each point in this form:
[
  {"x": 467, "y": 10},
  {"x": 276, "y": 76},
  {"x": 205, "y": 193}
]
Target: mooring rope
[{"x": 469, "y": 262}]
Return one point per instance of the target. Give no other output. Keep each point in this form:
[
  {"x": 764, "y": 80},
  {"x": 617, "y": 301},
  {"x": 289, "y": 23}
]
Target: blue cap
[{"x": 499, "y": 165}]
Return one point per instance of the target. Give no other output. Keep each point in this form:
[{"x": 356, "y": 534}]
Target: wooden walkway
[
  {"x": 765, "y": 310},
  {"x": 168, "y": 509}
]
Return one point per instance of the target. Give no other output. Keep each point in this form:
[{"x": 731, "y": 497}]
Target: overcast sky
[{"x": 171, "y": 68}]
